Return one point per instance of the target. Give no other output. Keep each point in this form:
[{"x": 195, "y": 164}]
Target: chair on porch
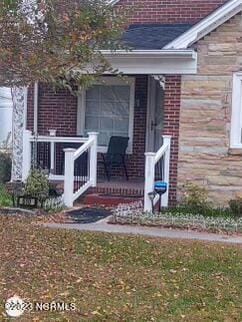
[{"x": 116, "y": 155}]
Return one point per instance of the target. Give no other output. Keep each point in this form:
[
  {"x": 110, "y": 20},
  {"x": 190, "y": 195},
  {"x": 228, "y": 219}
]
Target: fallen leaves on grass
[{"x": 118, "y": 278}]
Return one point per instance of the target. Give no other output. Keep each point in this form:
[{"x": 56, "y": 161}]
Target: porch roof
[
  {"x": 152, "y": 36},
  {"x": 155, "y": 62}
]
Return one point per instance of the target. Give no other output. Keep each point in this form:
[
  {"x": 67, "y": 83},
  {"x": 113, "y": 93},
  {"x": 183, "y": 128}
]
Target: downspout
[
  {"x": 36, "y": 96},
  {"x": 25, "y": 108}
]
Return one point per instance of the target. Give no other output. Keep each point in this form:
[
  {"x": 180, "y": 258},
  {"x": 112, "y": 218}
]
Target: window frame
[
  {"x": 236, "y": 117},
  {"x": 108, "y": 81}
]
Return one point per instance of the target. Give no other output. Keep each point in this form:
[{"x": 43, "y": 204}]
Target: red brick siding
[
  {"x": 170, "y": 11},
  {"x": 172, "y": 104},
  {"x": 30, "y": 108},
  {"x": 57, "y": 110}
]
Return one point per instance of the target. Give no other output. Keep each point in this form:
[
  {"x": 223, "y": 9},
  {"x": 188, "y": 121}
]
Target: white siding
[{"x": 5, "y": 113}]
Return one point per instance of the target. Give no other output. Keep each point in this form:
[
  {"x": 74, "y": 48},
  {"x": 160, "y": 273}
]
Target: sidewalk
[{"x": 103, "y": 226}]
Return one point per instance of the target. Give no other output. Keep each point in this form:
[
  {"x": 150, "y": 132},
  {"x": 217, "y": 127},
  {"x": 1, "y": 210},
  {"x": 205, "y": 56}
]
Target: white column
[
  {"x": 149, "y": 179},
  {"x": 93, "y": 158},
  {"x": 167, "y": 159},
  {"x": 26, "y": 167},
  {"x": 69, "y": 177}
]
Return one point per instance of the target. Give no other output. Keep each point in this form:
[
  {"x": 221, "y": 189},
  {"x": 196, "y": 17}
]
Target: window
[
  {"x": 236, "y": 120},
  {"x": 107, "y": 108}
]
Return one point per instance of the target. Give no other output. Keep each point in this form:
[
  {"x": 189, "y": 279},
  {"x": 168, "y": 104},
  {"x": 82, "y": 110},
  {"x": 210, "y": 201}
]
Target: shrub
[
  {"x": 37, "y": 185},
  {"x": 5, "y": 167},
  {"x": 195, "y": 196},
  {"x": 236, "y": 207},
  {"x": 5, "y": 197}
]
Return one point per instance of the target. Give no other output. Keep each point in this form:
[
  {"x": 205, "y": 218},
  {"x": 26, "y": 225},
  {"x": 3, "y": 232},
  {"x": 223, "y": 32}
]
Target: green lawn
[{"x": 118, "y": 278}]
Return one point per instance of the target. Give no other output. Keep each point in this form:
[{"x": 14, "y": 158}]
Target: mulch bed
[{"x": 87, "y": 215}]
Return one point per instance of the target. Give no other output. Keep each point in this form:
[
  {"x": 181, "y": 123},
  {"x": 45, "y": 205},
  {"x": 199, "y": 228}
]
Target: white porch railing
[
  {"x": 79, "y": 169},
  {"x": 151, "y": 161},
  {"x": 76, "y": 184}
]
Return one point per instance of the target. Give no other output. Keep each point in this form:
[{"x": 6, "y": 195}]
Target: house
[{"x": 180, "y": 105}]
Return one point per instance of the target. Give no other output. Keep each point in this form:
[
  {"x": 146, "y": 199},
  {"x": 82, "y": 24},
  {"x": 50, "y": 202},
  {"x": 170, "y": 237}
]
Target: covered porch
[
  {"x": 67, "y": 148},
  {"x": 66, "y": 134}
]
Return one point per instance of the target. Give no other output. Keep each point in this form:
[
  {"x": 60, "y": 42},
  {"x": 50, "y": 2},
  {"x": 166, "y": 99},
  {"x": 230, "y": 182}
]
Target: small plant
[
  {"x": 37, "y": 185},
  {"x": 5, "y": 167},
  {"x": 195, "y": 196},
  {"x": 54, "y": 204},
  {"x": 236, "y": 207},
  {"x": 5, "y": 197}
]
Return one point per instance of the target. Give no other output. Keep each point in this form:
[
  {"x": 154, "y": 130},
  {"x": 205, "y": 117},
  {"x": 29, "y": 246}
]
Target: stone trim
[{"x": 235, "y": 151}]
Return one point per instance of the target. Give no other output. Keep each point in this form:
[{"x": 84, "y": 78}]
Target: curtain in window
[{"x": 107, "y": 111}]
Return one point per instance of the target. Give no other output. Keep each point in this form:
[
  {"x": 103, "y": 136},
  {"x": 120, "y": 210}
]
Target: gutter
[
  {"x": 36, "y": 96},
  {"x": 160, "y": 53}
]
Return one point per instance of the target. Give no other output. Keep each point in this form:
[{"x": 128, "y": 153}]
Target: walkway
[{"x": 103, "y": 226}]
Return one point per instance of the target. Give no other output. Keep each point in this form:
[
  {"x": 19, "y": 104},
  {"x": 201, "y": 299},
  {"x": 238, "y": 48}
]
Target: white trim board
[
  {"x": 208, "y": 24},
  {"x": 236, "y": 119}
]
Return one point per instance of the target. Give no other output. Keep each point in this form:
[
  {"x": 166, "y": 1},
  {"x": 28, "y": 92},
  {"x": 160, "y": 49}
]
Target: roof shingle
[{"x": 152, "y": 36}]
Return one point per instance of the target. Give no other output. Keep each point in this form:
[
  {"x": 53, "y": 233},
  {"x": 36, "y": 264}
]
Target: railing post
[
  {"x": 52, "y": 157},
  {"x": 93, "y": 158},
  {"x": 69, "y": 177},
  {"x": 167, "y": 158},
  {"x": 26, "y": 167},
  {"x": 52, "y": 152},
  {"x": 149, "y": 179}
]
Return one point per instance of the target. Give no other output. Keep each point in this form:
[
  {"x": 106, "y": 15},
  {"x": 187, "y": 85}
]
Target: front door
[{"x": 154, "y": 116}]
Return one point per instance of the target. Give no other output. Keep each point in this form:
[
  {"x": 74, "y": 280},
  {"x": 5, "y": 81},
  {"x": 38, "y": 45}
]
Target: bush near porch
[
  {"x": 118, "y": 278},
  {"x": 5, "y": 167},
  {"x": 37, "y": 192}
]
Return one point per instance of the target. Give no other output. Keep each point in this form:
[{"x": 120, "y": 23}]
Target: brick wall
[
  {"x": 30, "y": 108},
  {"x": 170, "y": 11},
  {"x": 171, "y": 127},
  {"x": 57, "y": 110},
  {"x": 136, "y": 162}
]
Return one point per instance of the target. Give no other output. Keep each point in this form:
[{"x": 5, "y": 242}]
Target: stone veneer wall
[{"x": 204, "y": 155}]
